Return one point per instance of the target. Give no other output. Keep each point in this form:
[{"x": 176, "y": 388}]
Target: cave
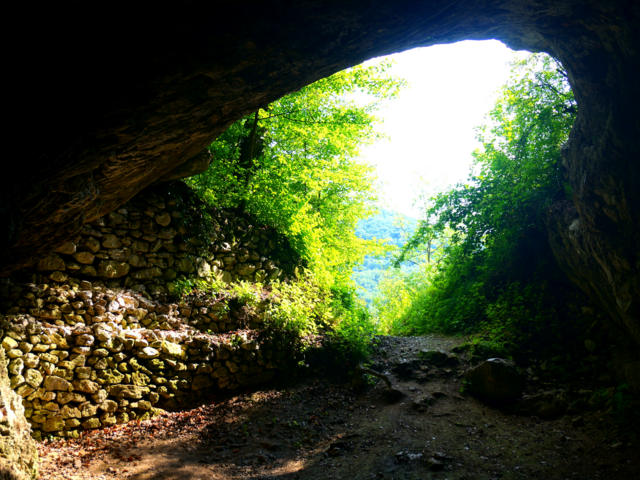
[{"x": 108, "y": 100}]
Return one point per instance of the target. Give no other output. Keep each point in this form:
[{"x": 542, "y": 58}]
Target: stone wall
[
  {"x": 93, "y": 338},
  {"x": 158, "y": 237},
  {"x": 75, "y": 375}
]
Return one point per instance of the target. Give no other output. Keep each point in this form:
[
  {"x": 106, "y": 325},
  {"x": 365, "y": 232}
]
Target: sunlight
[{"x": 432, "y": 124}]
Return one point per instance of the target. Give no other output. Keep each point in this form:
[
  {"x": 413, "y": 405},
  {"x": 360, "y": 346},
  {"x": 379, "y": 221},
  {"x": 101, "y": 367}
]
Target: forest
[{"x": 477, "y": 261}]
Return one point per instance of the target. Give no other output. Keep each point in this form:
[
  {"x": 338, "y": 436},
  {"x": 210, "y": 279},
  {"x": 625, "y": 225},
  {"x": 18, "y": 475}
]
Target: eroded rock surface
[{"x": 18, "y": 452}]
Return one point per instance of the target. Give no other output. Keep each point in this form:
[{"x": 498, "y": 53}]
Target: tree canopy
[
  {"x": 294, "y": 165},
  {"x": 495, "y": 219}
]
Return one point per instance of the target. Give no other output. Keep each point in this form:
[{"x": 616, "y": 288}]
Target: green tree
[
  {"x": 294, "y": 165},
  {"x": 496, "y": 217}
]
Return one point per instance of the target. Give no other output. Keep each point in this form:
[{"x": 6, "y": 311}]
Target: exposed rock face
[
  {"x": 18, "y": 452},
  {"x": 146, "y": 100},
  {"x": 599, "y": 263}
]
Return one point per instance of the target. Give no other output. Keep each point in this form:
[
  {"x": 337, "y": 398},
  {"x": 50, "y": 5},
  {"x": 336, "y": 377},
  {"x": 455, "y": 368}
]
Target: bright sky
[{"x": 431, "y": 125}]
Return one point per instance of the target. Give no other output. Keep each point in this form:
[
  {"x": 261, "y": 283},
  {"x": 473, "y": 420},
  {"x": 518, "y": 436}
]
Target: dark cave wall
[{"x": 111, "y": 99}]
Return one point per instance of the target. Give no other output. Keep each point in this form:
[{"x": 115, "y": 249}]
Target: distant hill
[{"x": 387, "y": 225}]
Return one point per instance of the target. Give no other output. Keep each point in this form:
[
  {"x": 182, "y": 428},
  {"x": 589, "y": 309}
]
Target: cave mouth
[{"x": 125, "y": 109}]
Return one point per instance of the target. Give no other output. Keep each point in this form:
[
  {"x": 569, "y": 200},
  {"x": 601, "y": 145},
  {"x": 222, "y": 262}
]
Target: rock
[
  {"x": 91, "y": 423},
  {"x": 85, "y": 258},
  {"x": 115, "y": 219},
  {"x": 111, "y": 241},
  {"x": 67, "y": 248},
  {"x": 52, "y": 262},
  {"x": 109, "y": 406},
  {"x": 17, "y": 449},
  {"x": 85, "y": 340},
  {"x": 495, "y": 379},
  {"x": 57, "y": 383},
  {"x": 173, "y": 349},
  {"x": 88, "y": 409},
  {"x": 112, "y": 269},
  {"x": 577, "y": 422},
  {"x": 86, "y": 386},
  {"x": 100, "y": 396},
  {"x": 147, "y": 353},
  {"x": 167, "y": 233},
  {"x": 88, "y": 271},
  {"x": 129, "y": 391},
  {"x": 195, "y": 165},
  {"x": 147, "y": 274},
  {"x": 33, "y": 378},
  {"x": 58, "y": 276},
  {"x": 163, "y": 218},
  {"x": 88, "y": 244},
  {"x": 53, "y": 424},
  {"x": 220, "y": 372},
  {"x": 108, "y": 419},
  {"x": 245, "y": 268}
]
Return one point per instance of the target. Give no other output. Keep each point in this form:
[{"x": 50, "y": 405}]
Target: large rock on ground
[
  {"x": 18, "y": 452},
  {"x": 496, "y": 379}
]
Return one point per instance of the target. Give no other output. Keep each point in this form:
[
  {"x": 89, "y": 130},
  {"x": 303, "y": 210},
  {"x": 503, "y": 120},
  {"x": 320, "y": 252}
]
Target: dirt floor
[{"x": 321, "y": 429}]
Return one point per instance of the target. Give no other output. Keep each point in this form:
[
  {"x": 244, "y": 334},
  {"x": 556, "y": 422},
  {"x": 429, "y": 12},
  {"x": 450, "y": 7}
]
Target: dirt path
[{"x": 317, "y": 429}]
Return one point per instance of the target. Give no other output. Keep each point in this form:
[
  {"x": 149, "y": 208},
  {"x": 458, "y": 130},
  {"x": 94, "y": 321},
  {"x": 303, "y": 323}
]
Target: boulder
[{"x": 496, "y": 379}]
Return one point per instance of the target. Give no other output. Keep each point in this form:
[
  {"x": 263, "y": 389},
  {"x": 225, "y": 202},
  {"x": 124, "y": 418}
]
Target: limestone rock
[
  {"x": 163, "y": 219},
  {"x": 67, "y": 248},
  {"x": 148, "y": 353},
  {"x": 17, "y": 449},
  {"x": 57, "y": 383},
  {"x": 112, "y": 269},
  {"x": 33, "y": 378},
  {"x": 86, "y": 258},
  {"x": 86, "y": 386},
  {"x": 129, "y": 391},
  {"x": 52, "y": 262},
  {"x": 111, "y": 241},
  {"x": 495, "y": 379}
]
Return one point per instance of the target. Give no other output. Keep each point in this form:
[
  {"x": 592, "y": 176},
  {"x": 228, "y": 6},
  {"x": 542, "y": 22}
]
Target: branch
[{"x": 394, "y": 391}]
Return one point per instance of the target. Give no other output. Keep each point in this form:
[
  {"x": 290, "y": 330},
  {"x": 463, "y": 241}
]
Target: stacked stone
[
  {"x": 70, "y": 304},
  {"x": 92, "y": 342},
  {"x": 96, "y": 369},
  {"x": 145, "y": 246}
]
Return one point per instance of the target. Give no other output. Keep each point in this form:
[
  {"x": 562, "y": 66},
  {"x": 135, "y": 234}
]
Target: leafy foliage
[
  {"x": 496, "y": 256},
  {"x": 390, "y": 227},
  {"x": 294, "y": 165}
]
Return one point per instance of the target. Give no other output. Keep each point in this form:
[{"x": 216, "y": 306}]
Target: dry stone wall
[
  {"x": 154, "y": 239},
  {"x": 92, "y": 339}
]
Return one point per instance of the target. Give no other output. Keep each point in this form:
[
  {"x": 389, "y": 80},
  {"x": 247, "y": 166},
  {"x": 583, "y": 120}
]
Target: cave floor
[{"x": 318, "y": 428}]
